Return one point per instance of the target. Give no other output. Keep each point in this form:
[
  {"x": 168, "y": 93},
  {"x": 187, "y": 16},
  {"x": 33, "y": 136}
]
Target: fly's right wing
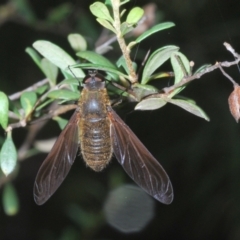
[
  {"x": 138, "y": 162},
  {"x": 58, "y": 162}
]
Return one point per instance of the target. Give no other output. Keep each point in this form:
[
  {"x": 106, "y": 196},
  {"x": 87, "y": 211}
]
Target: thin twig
[
  {"x": 17, "y": 95},
  {"x": 102, "y": 48},
  {"x": 227, "y": 76},
  {"x": 230, "y": 49},
  {"x": 186, "y": 80}
]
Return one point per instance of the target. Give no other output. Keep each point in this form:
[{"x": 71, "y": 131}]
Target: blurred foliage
[{"x": 202, "y": 159}]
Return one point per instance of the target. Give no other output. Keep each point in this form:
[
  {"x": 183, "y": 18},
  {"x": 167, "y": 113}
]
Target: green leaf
[
  {"x": 61, "y": 122},
  {"x": 28, "y": 100},
  {"x": 50, "y": 70},
  {"x": 95, "y": 58},
  {"x": 44, "y": 104},
  {"x": 156, "y": 28},
  {"x": 8, "y": 155},
  {"x": 4, "y": 105},
  {"x": 34, "y": 55},
  {"x": 151, "y": 89},
  {"x": 178, "y": 70},
  {"x": 63, "y": 94},
  {"x": 57, "y": 56},
  {"x": 135, "y": 15},
  {"x": 156, "y": 59},
  {"x": 100, "y": 10},
  {"x": 101, "y": 67},
  {"x": 71, "y": 81},
  {"x": 189, "y": 106},
  {"x": 141, "y": 90},
  {"x": 150, "y": 104},
  {"x": 77, "y": 42},
  {"x": 121, "y": 62},
  {"x": 106, "y": 24},
  {"x": 10, "y": 200}
]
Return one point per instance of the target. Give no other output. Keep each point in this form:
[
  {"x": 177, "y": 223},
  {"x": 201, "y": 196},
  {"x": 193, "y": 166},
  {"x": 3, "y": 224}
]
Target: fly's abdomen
[{"x": 95, "y": 142}]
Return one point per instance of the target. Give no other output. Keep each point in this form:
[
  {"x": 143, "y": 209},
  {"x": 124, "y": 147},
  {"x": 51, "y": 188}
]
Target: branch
[
  {"x": 126, "y": 51},
  {"x": 34, "y": 87},
  {"x": 219, "y": 65}
]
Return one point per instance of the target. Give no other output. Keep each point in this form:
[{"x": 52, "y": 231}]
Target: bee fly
[{"x": 100, "y": 133}]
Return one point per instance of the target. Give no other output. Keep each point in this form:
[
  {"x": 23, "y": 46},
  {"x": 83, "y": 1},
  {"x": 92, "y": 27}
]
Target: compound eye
[
  {"x": 87, "y": 79},
  {"x": 93, "y": 75}
]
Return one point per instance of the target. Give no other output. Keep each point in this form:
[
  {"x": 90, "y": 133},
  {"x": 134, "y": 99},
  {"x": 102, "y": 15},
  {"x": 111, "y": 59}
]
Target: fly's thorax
[{"x": 94, "y": 102}]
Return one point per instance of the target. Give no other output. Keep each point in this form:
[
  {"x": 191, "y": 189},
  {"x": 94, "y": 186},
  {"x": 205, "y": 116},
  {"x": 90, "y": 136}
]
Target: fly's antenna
[{"x": 79, "y": 82}]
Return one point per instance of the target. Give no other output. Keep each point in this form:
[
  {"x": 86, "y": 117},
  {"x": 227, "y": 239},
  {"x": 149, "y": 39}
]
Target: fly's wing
[
  {"x": 58, "y": 162},
  {"x": 138, "y": 162}
]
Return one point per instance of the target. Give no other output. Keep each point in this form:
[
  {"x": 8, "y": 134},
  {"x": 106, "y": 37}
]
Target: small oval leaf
[
  {"x": 4, "y": 105},
  {"x": 156, "y": 28},
  {"x": 50, "y": 70},
  {"x": 28, "y": 100},
  {"x": 93, "y": 57},
  {"x": 141, "y": 91},
  {"x": 101, "y": 67},
  {"x": 190, "y": 107},
  {"x": 71, "y": 81},
  {"x": 156, "y": 59},
  {"x": 57, "y": 56},
  {"x": 10, "y": 200},
  {"x": 106, "y": 24},
  {"x": 34, "y": 55},
  {"x": 77, "y": 42},
  {"x": 177, "y": 68},
  {"x": 100, "y": 10},
  {"x": 8, "y": 155},
  {"x": 64, "y": 94},
  {"x": 121, "y": 62},
  {"x": 135, "y": 15},
  {"x": 150, "y": 104}
]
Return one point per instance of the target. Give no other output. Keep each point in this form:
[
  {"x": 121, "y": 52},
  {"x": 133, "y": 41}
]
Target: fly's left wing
[
  {"x": 138, "y": 162},
  {"x": 58, "y": 162}
]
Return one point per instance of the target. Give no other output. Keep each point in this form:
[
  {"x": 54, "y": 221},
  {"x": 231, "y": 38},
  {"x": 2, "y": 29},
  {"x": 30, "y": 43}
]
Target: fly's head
[{"x": 94, "y": 81}]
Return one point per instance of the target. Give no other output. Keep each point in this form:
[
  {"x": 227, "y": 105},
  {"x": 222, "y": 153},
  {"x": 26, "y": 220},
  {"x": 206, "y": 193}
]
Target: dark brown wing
[
  {"x": 58, "y": 162},
  {"x": 138, "y": 162}
]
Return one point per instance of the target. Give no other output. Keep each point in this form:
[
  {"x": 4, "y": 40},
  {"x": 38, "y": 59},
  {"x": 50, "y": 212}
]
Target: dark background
[{"x": 202, "y": 158}]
